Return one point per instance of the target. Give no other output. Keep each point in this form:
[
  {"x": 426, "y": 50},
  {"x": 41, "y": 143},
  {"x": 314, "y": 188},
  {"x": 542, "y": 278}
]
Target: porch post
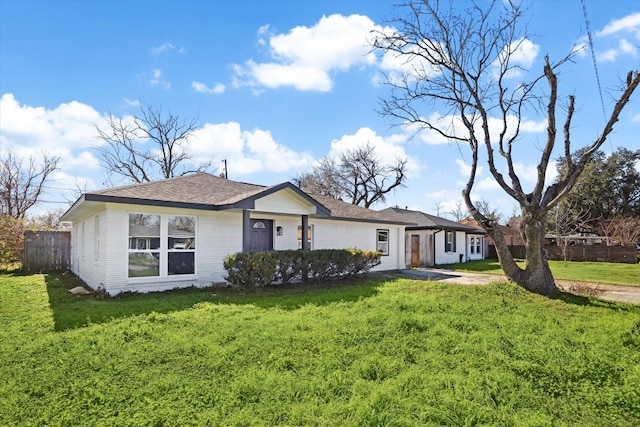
[
  {"x": 305, "y": 232},
  {"x": 246, "y": 231}
]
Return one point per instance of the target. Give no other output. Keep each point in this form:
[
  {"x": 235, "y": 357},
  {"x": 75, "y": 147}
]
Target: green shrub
[
  {"x": 290, "y": 265},
  {"x": 250, "y": 269}
]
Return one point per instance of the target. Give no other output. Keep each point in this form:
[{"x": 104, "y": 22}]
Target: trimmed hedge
[{"x": 251, "y": 269}]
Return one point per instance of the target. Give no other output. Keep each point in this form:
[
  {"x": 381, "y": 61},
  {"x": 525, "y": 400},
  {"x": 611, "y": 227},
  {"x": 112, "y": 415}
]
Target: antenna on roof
[{"x": 225, "y": 175}]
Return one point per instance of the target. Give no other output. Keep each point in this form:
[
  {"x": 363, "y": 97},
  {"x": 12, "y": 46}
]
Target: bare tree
[
  {"x": 438, "y": 209},
  {"x": 49, "y": 220},
  {"x": 458, "y": 213},
  {"x": 358, "y": 176},
  {"x": 620, "y": 230},
  {"x": 150, "y": 146},
  {"x": 22, "y": 185},
  {"x": 465, "y": 60},
  {"x": 491, "y": 212},
  {"x": 566, "y": 220}
]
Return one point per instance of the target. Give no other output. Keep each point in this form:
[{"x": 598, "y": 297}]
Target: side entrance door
[
  {"x": 415, "y": 250},
  {"x": 261, "y": 235}
]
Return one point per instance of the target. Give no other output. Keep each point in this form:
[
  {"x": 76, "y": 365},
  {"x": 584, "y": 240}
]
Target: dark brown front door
[
  {"x": 415, "y": 250},
  {"x": 261, "y": 235}
]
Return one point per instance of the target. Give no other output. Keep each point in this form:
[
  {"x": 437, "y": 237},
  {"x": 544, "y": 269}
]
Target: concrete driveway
[{"x": 608, "y": 292}]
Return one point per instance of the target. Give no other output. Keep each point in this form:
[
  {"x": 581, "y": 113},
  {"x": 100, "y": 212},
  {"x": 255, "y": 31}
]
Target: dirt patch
[
  {"x": 608, "y": 292},
  {"x": 603, "y": 291}
]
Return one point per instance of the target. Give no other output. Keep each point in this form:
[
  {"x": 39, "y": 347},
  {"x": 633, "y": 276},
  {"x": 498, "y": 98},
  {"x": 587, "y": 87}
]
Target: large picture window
[
  {"x": 382, "y": 242},
  {"x": 161, "y": 245}
]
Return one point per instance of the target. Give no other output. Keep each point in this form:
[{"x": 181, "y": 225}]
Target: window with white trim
[
  {"x": 450, "y": 241},
  {"x": 309, "y": 237},
  {"x": 181, "y": 245},
  {"x": 161, "y": 245},
  {"x": 382, "y": 242}
]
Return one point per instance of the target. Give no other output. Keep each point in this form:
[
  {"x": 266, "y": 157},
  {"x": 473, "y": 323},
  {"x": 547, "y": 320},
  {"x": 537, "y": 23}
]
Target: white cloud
[
  {"x": 203, "y": 88},
  {"x": 131, "y": 102},
  {"x": 487, "y": 184},
  {"x": 272, "y": 75},
  {"x": 166, "y": 47},
  {"x": 245, "y": 151},
  {"x": 629, "y": 23},
  {"x": 67, "y": 131},
  {"x": 464, "y": 168},
  {"x": 67, "y": 127},
  {"x": 452, "y": 125},
  {"x": 624, "y": 47},
  {"x": 305, "y": 57},
  {"x": 156, "y": 79},
  {"x": 522, "y": 53}
]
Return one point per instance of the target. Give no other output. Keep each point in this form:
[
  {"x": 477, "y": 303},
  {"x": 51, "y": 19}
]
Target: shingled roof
[
  {"x": 426, "y": 221},
  {"x": 194, "y": 189},
  {"x": 209, "y": 192}
]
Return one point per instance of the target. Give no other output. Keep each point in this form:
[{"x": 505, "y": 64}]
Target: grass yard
[
  {"x": 595, "y": 272},
  {"x": 370, "y": 352}
]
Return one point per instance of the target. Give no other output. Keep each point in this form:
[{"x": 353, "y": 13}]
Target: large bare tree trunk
[{"x": 536, "y": 276}]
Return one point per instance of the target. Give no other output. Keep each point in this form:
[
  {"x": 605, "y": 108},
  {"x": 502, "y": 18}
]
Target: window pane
[
  {"x": 383, "y": 247},
  {"x": 143, "y": 225},
  {"x": 181, "y": 263},
  {"x": 181, "y": 232},
  {"x": 143, "y": 264},
  {"x": 309, "y": 237},
  {"x": 382, "y": 243},
  {"x": 144, "y": 236}
]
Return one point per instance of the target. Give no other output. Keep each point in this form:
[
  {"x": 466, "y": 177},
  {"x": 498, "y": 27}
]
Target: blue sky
[{"x": 275, "y": 85}]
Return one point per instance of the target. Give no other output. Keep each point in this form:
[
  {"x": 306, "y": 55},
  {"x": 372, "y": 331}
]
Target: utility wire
[{"x": 593, "y": 57}]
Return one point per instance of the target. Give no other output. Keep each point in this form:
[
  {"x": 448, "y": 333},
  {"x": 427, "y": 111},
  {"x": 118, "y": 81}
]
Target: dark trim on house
[
  {"x": 246, "y": 230},
  {"x": 305, "y": 233},
  {"x": 368, "y": 220},
  {"x": 89, "y": 197}
]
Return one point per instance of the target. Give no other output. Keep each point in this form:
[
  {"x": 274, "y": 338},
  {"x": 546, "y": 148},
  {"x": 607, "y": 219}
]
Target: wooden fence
[
  {"x": 594, "y": 253},
  {"x": 47, "y": 250}
]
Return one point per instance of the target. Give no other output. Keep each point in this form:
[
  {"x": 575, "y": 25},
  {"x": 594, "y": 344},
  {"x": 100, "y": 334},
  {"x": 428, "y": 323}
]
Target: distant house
[
  {"x": 511, "y": 235},
  {"x": 432, "y": 240},
  {"x": 176, "y": 232}
]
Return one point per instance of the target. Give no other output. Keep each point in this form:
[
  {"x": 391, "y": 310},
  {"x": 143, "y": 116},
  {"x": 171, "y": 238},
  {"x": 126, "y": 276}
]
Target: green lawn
[
  {"x": 365, "y": 353},
  {"x": 596, "y": 272}
]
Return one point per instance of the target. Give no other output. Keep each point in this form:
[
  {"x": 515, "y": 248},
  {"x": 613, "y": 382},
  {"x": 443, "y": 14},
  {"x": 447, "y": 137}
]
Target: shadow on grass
[
  {"x": 582, "y": 300},
  {"x": 75, "y": 311}
]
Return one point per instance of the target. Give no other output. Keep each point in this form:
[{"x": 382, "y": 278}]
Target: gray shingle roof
[
  {"x": 206, "y": 191},
  {"x": 201, "y": 188},
  {"x": 424, "y": 220},
  {"x": 340, "y": 209}
]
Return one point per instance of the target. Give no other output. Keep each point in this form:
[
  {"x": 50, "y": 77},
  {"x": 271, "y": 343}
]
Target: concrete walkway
[{"x": 608, "y": 292}]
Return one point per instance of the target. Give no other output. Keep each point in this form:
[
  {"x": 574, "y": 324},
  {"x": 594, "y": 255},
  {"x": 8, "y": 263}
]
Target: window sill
[{"x": 163, "y": 279}]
